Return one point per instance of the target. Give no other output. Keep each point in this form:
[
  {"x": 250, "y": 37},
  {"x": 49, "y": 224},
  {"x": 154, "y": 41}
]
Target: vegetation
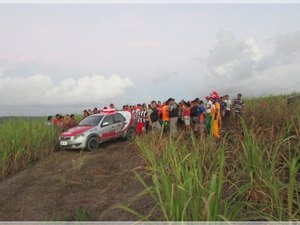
[
  {"x": 252, "y": 174},
  {"x": 23, "y": 141}
]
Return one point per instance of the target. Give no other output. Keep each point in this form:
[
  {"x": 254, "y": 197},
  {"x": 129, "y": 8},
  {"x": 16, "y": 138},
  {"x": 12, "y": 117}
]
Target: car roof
[{"x": 105, "y": 113}]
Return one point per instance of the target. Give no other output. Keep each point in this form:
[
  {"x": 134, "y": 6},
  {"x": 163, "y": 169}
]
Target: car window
[
  {"x": 108, "y": 119},
  {"x": 91, "y": 121},
  {"x": 119, "y": 118}
]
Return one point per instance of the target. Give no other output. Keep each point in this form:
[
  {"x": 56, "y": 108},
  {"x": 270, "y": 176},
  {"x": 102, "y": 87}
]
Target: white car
[{"x": 99, "y": 128}]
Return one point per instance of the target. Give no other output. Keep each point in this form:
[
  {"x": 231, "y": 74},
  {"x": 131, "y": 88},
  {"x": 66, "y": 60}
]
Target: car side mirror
[{"x": 104, "y": 124}]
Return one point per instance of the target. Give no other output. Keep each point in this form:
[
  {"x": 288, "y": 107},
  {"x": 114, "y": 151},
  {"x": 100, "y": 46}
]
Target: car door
[
  {"x": 119, "y": 120},
  {"x": 107, "y": 128}
]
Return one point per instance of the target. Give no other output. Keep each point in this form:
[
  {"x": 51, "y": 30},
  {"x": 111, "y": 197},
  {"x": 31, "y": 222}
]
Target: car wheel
[
  {"x": 130, "y": 135},
  {"x": 92, "y": 144}
]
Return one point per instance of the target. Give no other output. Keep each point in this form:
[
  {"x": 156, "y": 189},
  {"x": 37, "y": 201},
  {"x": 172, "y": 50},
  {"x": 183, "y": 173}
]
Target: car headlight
[{"x": 78, "y": 136}]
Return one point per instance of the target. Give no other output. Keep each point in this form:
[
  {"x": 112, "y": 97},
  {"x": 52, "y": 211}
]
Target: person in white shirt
[
  {"x": 208, "y": 107},
  {"x": 227, "y": 108}
]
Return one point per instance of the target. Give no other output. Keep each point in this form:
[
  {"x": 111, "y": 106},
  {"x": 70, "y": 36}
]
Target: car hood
[{"x": 76, "y": 131}]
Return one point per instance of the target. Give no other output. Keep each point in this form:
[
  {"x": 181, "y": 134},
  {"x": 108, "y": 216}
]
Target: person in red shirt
[{"x": 187, "y": 115}]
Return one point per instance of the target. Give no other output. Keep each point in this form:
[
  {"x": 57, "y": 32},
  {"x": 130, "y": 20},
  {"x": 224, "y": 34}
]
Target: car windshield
[{"x": 91, "y": 121}]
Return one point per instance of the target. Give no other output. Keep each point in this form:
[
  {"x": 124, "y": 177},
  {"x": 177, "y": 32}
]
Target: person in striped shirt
[{"x": 141, "y": 116}]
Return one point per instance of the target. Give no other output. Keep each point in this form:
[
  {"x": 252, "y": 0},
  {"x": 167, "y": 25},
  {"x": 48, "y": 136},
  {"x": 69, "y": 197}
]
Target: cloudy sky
[{"x": 64, "y": 58}]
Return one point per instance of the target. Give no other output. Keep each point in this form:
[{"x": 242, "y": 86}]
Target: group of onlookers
[
  {"x": 62, "y": 122},
  {"x": 202, "y": 117}
]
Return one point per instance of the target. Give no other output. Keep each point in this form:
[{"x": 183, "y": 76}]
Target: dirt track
[{"x": 75, "y": 185}]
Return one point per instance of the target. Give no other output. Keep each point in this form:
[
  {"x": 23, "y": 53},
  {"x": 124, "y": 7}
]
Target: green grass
[
  {"x": 253, "y": 174},
  {"x": 23, "y": 141}
]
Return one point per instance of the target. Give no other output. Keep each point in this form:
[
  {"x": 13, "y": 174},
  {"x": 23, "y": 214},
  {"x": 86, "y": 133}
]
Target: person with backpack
[{"x": 153, "y": 117}]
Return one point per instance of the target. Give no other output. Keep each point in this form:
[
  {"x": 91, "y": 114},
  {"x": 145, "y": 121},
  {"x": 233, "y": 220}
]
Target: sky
[{"x": 63, "y": 58}]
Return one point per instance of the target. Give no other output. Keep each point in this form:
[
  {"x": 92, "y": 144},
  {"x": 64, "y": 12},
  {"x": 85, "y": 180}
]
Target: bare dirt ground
[{"x": 74, "y": 185}]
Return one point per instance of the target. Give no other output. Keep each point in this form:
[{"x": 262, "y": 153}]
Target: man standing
[
  {"x": 153, "y": 117},
  {"x": 227, "y": 108},
  {"x": 173, "y": 113},
  {"x": 165, "y": 116},
  {"x": 140, "y": 119},
  {"x": 208, "y": 109},
  {"x": 239, "y": 107}
]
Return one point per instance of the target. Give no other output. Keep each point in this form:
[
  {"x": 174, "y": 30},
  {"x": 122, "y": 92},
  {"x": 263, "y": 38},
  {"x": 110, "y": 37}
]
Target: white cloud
[
  {"x": 242, "y": 66},
  {"x": 41, "y": 90}
]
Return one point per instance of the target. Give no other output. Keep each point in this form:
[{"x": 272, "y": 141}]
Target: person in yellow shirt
[{"x": 216, "y": 116}]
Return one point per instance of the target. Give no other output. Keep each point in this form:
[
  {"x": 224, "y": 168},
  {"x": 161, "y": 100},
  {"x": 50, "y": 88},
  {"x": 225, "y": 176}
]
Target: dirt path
[{"x": 75, "y": 186}]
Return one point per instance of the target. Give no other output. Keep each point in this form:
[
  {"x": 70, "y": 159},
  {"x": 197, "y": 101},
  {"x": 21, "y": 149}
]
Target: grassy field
[
  {"x": 253, "y": 174},
  {"x": 23, "y": 141}
]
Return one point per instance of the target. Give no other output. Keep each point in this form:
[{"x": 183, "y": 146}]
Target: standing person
[
  {"x": 140, "y": 125},
  {"x": 201, "y": 115},
  {"x": 173, "y": 114},
  {"x": 56, "y": 121},
  {"x": 159, "y": 109},
  {"x": 66, "y": 122},
  {"x": 165, "y": 116},
  {"x": 208, "y": 108},
  {"x": 216, "y": 116},
  {"x": 147, "y": 122},
  {"x": 180, "y": 115},
  {"x": 187, "y": 115},
  {"x": 228, "y": 108},
  {"x": 112, "y": 107},
  {"x": 72, "y": 122},
  {"x": 49, "y": 121},
  {"x": 85, "y": 113},
  {"x": 153, "y": 117},
  {"x": 239, "y": 107},
  {"x": 95, "y": 110},
  {"x": 60, "y": 122},
  {"x": 223, "y": 106},
  {"x": 194, "y": 115}
]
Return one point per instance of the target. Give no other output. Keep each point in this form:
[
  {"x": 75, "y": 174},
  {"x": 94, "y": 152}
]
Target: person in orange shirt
[
  {"x": 165, "y": 115},
  {"x": 216, "y": 116}
]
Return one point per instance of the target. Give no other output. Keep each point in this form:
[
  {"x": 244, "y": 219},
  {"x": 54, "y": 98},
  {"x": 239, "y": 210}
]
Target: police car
[{"x": 98, "y": 128}]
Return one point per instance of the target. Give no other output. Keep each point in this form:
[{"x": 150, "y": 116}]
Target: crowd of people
[
  {"x": 62, "y": 122},
  {"x": 202, "y": 117}
]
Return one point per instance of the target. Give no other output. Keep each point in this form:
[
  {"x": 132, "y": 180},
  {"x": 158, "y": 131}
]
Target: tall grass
[
  {"x": 253, "y": 174},
  {"x": 23, "y": 141}
]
